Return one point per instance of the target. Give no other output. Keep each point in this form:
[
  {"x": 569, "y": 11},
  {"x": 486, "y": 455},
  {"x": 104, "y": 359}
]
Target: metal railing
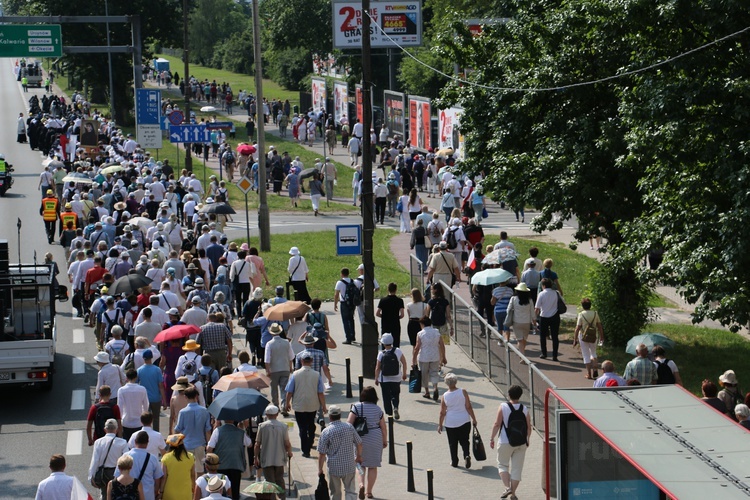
[
  {"x": 500, "y": 361},
  {"x": 417, "y": 273}
]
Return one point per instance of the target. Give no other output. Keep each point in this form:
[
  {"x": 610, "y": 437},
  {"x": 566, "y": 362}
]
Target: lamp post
[
  {"x": 186, "y": 78},
  {"x": 264, "y": 223},
  {"x": 109, "y": 63}
]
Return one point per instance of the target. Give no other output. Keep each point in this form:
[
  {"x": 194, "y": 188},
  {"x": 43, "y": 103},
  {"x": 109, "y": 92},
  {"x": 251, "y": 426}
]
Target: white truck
[{"x": 28, "y": 335}]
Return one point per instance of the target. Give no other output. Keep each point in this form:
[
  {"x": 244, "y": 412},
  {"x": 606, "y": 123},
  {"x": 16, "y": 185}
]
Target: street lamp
[
  {"x": 264, "y": 223},
  {"x": 109, "y": 62},
  {"x": 186, "y": 78}
]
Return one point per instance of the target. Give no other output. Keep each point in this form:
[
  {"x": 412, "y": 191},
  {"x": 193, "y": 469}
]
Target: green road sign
[{"x": 30, "y": 40}]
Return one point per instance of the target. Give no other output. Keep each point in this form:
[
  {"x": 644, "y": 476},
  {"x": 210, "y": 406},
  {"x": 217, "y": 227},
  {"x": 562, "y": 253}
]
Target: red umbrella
[
  {"x": 245, "y": 149},
  {"x": 176, "y": 332}
]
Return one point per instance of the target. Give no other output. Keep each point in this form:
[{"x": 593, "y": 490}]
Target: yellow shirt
[{"x": 179, "y": 483}]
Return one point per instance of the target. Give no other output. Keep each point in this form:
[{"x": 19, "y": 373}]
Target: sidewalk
[{"x": 418, "y": 424}]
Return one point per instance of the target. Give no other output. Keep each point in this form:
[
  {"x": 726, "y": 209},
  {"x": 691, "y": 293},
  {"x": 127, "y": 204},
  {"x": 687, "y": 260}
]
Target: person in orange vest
[
  {"x": 68, "y": 215},
  {"x": 48, "y": 211}
]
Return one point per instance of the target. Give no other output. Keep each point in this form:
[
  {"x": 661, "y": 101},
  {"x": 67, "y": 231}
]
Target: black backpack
[
  {"x": 450, "y": 240},
  {"x": 208, "y": 386},
  {"x": 353, "y": 298},
  {"x": 103, "y": 413},
  {"x": 117, "y": 196},
  {"x": 517, "y": 429},
  {"x": 389, "y": 363},
  {"x": 664, "y": 373}
]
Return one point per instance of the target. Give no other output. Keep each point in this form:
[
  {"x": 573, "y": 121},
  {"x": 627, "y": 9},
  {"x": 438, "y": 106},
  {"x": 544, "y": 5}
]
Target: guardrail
[
  {"x": 417, "y": 273},
  {"x": 499, "y": 361}
]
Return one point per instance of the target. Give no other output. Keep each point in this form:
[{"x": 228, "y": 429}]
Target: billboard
[
  {"x": 340, "y": 100},
  {"x": 394, "y": 109},
  {"x": 448, "y": 134},
  {"x": 419, "y": 122},
  {"x": 318, "y": 91},
  {"x": 400, "y": 20}
]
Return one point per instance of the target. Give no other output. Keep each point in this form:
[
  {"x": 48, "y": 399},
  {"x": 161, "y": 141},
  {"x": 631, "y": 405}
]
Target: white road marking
[
  {"x": 78, "y": 399},
  {"x": 79, "y": 365},
  {"x": 78, "y": 336},
  {"x": 74, "y": 445}
]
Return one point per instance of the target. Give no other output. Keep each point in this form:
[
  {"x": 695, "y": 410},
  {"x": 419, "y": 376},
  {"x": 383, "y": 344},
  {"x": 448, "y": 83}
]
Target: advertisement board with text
[
  {"x": 399, "y": 21},
  {"x": 394, "y": 109},
  {"x": 449, "y": 121},
  {"x": 318, "y": 91},
  {"x": 419, "y": 122},
  {"x": 340, "y": 100}
]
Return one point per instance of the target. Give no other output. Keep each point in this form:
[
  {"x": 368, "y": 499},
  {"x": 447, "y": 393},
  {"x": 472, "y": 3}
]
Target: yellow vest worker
[
  {"x": 48, "y": 211},
  {"x": 3, "y": 166},
  {"x": 68, "y": 216}
]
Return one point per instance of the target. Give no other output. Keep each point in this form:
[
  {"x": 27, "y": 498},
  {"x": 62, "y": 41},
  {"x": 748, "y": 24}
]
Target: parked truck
[
  {"x": 28, "y": 335},
  {"x": 33, "y": 73}
]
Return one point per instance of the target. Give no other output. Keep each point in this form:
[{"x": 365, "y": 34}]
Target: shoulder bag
[
  {"x": 104, "y": 475},
  {"x": 562, "y": 308},
  {"x": 360, "y": 423},
  {"x": 477, "y": 446},
  {"x": 453, "y": 274}
]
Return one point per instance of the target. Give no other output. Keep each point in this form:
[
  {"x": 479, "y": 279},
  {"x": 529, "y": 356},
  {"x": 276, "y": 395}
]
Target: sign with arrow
[
  {"x": 189, "y": 133},
  {"x": 30, "y": 40}
]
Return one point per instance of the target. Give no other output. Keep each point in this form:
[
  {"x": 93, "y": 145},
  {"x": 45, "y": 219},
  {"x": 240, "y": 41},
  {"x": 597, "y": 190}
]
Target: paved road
[{"x": 36, "y": 424}]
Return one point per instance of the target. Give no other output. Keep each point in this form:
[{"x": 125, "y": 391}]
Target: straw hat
[{"x": 191, "y": 345}]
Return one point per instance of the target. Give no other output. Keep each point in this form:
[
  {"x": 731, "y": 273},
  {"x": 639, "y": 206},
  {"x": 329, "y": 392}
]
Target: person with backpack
[
  {"x": 666, "y": 369},
  {"x": 207, "y": 376},
  {"x": 390, "y": 370},
  {"x": 589, "y": 333},
  {"x": 730, "y": 395},
  {"x": 435, "y": 229},
  {"x": 99, "y": 412},
  {"x": 117, "y": 347},
  {"x": 347, "y": 293},
  {"x": 513, "y": 422},
  {"x": 109, "y": 374}
]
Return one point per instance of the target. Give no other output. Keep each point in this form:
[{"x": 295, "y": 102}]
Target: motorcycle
[{"x": 6, "y": 179}]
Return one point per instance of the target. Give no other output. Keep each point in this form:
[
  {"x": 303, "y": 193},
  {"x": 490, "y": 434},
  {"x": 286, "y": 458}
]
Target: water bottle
[{"x": 360, "y": 470}]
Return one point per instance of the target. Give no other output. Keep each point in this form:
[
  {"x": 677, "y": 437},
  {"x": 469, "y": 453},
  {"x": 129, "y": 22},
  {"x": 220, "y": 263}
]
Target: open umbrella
[
  {"x": 208, "y": 109},
  {"x": 176, "y": 332},
  {"x": 217, "y": 208},
  {"x": 650, "y": 340},
  {"x": 287, "y": 310},
  {"x": 54, "y": 164},
  {"x": 238, "y": 404},
  {"x": 308, "y": 172},
  {"x": 78, "y": 178},
  {"x": 490, "y": 277},
  {"x": 129, "y": 283},
  {"x": 246, "y": 149},
  {"x": 248, "y": 380},
  {"x": 445, "y": 152},
  {"x": 112, "y": 169},
  {"x": 144, "y": 223},
  {"x": 263, "y": 488},
  {"x": 500, "y": 255}
]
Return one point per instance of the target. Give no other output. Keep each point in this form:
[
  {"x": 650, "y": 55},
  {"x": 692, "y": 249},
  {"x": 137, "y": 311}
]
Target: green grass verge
[
  {"x": 318, "y": 250},
  {"x": 700, "y": 353},
  {"x": 237, "y": 81}
]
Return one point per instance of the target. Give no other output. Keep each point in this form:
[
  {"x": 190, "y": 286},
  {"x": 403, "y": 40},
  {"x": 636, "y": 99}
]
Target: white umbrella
[
  {"x": 142, "y": 222},
  {"x": 208, "y": 109}
]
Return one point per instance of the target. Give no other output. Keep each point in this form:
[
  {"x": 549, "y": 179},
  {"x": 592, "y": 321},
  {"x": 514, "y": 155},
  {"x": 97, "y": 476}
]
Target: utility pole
[
  {"x": 264, "y": 223},
  {"x": 109, "y": 64},
  {"x": 369, "y": 328},
  {"x": 186, "y": 79}
]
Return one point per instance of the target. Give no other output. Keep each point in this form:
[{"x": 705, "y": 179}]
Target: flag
[
  {"x": 472, "y": 262},
  {"x": 79, "y": 491}
]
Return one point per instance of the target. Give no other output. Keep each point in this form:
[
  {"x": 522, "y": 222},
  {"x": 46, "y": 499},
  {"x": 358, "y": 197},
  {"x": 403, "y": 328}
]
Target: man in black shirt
[{"x": 390, "y": 311}]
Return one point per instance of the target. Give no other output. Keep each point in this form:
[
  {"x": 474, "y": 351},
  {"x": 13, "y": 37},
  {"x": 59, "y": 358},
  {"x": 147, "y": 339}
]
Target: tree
[
  {"x": 211, "y": 23},
  {"x": 642, "y": 159}
]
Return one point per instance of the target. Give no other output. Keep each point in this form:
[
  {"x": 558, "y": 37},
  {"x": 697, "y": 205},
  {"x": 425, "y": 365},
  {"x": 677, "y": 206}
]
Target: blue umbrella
[
  {"x": 490, "y": 277},
  {"x": 650, "y": 340},
  {"x": 238, "y": 404}
]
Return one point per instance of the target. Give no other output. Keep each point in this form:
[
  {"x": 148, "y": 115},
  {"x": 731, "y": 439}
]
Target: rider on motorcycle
[{"x": 6, "y": 180}]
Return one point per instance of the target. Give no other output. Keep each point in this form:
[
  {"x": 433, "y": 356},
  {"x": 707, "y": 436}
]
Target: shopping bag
[
  {"x": 415, "y": 380},
  {"x": 477, "y": 446},
  {"x": 321, "y": 492}
]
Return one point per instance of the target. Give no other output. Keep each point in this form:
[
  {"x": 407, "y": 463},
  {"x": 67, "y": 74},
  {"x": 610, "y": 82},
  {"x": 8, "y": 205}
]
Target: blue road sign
[
  {"x": 349, "y": 239},
  {"x": 189, "y": 133},
  {"x": 218, "y": 125},
  {"x": 148, "y": 107}
]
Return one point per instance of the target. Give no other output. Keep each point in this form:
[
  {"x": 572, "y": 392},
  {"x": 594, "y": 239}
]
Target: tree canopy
[{"x": 652, "y": 160}]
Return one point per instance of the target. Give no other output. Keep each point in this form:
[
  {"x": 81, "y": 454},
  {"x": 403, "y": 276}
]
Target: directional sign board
[
  {"x": 218, "y": 125},
  {"x": 148, "y": 107},
  {"x": 349, "y": 239},
  {"x": 30, "y": 40},
  {"x": 245, "y": 184},
  {"x": 189, "y": 133}
]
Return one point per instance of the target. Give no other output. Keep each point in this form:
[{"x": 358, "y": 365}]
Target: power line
[{"x": 562, "y": 87}]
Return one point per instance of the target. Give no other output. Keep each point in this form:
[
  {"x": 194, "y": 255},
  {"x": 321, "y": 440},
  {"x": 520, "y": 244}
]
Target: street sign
[
  {"x": 176, "y": 117},
  {"x": 189, "y": 133},
  {"x": 349, "y": 239},
  {"x": 245, "y": 184},
  {"x": 149, "y": 136},
  {"x": 148, "y": 107},
  {"x": 30, "y": 40},
  {"x": 218, "y": 125}
]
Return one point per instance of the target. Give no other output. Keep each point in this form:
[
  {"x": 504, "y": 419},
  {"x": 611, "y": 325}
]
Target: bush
[
  {"x": 622, "y": 300},
  {"x": 289, "y": 67}
]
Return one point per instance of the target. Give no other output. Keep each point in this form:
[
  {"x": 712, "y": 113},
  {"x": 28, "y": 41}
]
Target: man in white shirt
[
  {"x": 132, "y": 400},
  {"x": 147, "y": 328},
  {"x": 158, "y": 315},
  {"x": 196, "y": 185},
  {"x": 107, "y": 450},
  {"x": 195, "y": 315},
  {"x": 58, "y": 486},
  {"x": 152, "y": 472},
  {"x": 204, "y": 240},
  {"x": 156, "y": 444},
  {"x": 358, "y": 130},
  {"x": 109, "y": 374},
  {"x": 157, "y": 189},
  {"x": 298, "y": 275},
  {"x": 167, "y": 298},
  {"x": 244, "y": 271}
]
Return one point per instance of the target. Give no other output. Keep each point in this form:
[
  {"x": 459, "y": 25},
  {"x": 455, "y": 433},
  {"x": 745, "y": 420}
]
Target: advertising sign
[
  {"x": 318, "y": 90},
  {"x": 400, "y": 21},
  {"x": 340, "y": 100},
  {"x": 394, "y": 108},
  {"x": 358, "y": 103},
  {"x": 448, "y": 134},
  {"x": 419, "y": 122}
]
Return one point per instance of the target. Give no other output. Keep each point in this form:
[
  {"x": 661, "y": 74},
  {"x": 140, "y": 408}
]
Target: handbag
[
  {"x": 399, "y": 206},
  {"x": 104, "y": 475},
  {"x": 477, "y": 446},
  {"x": 415, "y": 380},
  {"x": 236, "y": 280},
  {"x": 484, "y": 213},
  {"x": 509, "y": 315},
  {"x": 360, "y": 423},
  {"x": 561, "y": 307},
  {"x": 321, "y": 492}
]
